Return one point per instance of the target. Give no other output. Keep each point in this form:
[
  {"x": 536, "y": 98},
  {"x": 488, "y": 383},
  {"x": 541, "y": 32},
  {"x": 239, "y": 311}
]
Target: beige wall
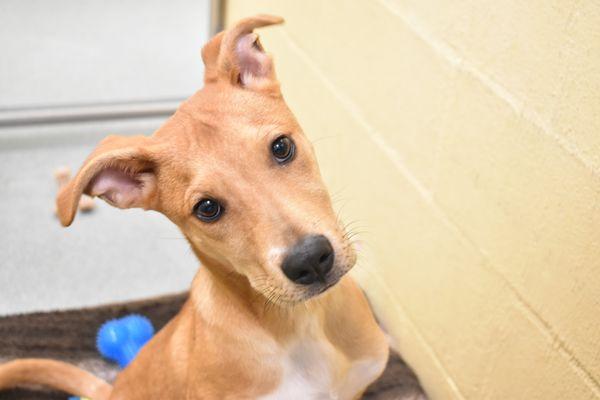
[{"x": 464, "y": 136}]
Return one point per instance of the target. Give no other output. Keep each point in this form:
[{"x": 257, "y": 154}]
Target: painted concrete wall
[{"x": 464, "y": 137}]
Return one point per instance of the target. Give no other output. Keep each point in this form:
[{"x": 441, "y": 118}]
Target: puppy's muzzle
[{"x": 309, "y": 260}]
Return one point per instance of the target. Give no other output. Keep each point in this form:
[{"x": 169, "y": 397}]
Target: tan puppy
[{"x": 235, "y": 172}]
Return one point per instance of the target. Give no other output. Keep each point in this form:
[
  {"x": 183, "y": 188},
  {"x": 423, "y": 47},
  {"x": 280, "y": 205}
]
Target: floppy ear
[
  {"x": 120, "y": 171},
  {"x": 236, "y": 55}
]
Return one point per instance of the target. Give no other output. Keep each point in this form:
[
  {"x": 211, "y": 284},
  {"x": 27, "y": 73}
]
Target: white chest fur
[{"x": 315, "y": 370}]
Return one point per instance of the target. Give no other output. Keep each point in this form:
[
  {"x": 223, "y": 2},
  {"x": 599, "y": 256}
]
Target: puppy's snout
[{"x": 309, "y": 260}]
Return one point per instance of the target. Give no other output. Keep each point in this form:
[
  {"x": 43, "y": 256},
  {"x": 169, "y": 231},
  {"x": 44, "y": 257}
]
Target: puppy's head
[{"x": 233, "y": 169}]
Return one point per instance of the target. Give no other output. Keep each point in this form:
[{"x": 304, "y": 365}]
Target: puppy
[{"x": 271, "y": 312}]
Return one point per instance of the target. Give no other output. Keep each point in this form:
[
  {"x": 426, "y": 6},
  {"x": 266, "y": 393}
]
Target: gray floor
[
  {"x": 105, "y": 256},
  {"x": 122, "y": 68}
]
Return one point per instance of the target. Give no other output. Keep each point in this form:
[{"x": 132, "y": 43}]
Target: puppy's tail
[{"x": 55, "y": 374}]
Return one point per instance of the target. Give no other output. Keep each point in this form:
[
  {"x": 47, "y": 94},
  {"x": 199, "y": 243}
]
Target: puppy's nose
[{"x": 309, "y": 260}]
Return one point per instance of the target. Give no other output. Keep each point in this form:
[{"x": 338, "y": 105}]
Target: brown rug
[{"x": 70, "y": 336}]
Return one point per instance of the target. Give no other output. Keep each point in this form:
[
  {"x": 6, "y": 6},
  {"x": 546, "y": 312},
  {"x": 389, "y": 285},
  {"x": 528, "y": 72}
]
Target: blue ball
[
  {"x": 121, "y": 339},
  {"x": 111, "y": 338},
  {"x": 140, "y": 328}
]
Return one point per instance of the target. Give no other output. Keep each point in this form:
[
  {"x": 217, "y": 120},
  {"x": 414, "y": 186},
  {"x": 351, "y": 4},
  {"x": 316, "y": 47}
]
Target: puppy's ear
[
  {"x": 120, "y": 171},
  {"x": 237, "y": 56}
]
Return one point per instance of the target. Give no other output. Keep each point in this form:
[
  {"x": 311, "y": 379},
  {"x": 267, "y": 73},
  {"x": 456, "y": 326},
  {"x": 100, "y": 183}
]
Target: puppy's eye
[
  {"x": 208, "y": 210},
  {"x": 283, "y": 149}
]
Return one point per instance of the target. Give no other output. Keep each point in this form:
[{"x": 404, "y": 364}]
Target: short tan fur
[{"x": 249, "y": 330}]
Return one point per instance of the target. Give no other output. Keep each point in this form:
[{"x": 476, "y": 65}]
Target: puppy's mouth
[
  {"x": 290, "y": 295},
  {"x": 307, "y": 292},
  {"x": 330, "y": 281},
  {"x": 324, "y": 287},
  {"x": 308, "y": 269}
]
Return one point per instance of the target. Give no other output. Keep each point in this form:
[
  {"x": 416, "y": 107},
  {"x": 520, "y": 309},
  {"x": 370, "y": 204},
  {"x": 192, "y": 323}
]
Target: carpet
[{"x": 70, "y": 336}]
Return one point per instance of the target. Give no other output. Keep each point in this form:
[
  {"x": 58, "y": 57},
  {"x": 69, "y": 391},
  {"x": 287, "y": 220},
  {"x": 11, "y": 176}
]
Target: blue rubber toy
[{"x": 120, "y": 339}]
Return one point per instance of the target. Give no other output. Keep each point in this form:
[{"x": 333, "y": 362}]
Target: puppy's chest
[{"x": 314, "y": 370}]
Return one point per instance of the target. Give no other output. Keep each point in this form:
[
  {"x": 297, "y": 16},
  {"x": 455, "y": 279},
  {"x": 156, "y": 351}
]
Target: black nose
[{"x": 309, "y": 260}]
